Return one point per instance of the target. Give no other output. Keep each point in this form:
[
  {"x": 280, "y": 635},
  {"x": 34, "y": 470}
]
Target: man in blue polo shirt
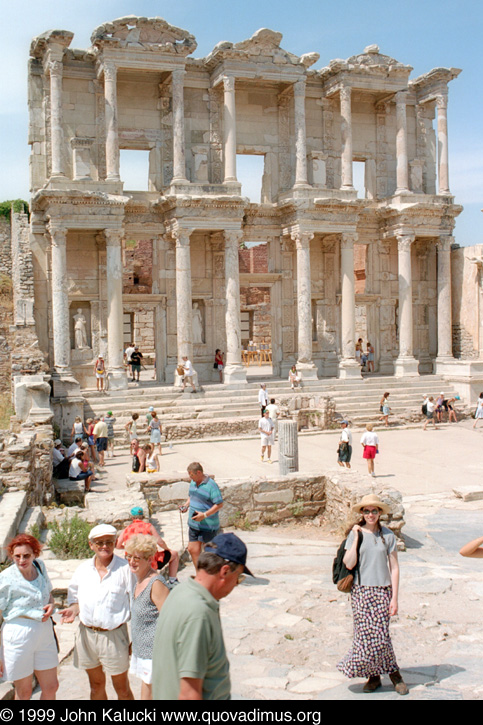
[{"x": 204, "y": 501}]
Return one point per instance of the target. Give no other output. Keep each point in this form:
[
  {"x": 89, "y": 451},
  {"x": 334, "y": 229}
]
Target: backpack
[
  {"x": 343, "y": 577},
  {"x": 424, "y": 409},
  {"x": 135, "y": 464}
]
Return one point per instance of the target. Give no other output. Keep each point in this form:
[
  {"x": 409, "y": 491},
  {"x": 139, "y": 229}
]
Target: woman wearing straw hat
[{"x": 374, "y": 597}]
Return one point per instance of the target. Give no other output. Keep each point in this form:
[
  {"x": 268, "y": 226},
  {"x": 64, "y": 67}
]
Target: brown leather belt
[{"x": 100, "y": 629}]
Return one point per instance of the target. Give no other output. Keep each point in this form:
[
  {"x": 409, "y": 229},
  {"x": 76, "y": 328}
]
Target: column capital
[
  {"x": 58, "y": 233},
  {"x": 404, "y": 240},
  {"x": 182, "y": 237},
  {"x": 442, "y": 101},
  {"x": 233, "y": 237},
  {"x": 348, "y": 239},
  {"x": 55, "y": 68},
  {"x": 302, "y": 239},
  {"x": 110, "y": 70},
  {"x": 113, "y": 237},
  {"x": 299, "y": 88},
  {"x": 444, "y": 243},
  {"x": 178, "y": 74},
  {"x": 229, "y": 83},
  {"x": 401, "y": 97}
]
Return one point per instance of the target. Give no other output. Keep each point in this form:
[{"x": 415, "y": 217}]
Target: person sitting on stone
[
  {"x": 166, "y": 556},
  {"x": 77, "y": 471},
  {"x": 60, "y": 461}
]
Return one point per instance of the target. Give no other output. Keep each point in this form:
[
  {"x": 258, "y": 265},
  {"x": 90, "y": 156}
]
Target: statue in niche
[
  {"x": 197, "y": 323},
  {"x": 80, "y": 330}
]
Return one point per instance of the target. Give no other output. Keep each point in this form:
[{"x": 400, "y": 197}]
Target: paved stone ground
[{"x": 286, "y": 630}]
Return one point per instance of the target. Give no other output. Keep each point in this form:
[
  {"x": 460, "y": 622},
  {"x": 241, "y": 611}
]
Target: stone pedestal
[{"x": 288, "y": 447}]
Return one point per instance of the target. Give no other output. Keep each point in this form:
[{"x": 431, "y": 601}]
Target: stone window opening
[
  {"x": 134, "y": 169},
  {"x": 250, "y": 173}
]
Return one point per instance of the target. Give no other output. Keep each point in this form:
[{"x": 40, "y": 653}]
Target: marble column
[
  {"x": 405, "y": 364},
  {"x": 346, "y": 135},
  {"x": 115, "y": 327},
  {"x": 300, "y": 134},
  {"x": 60, "y": 300},
  {"x": 229, "y": 128},
  {"x": 234, "y": 372},
  {"x": 305, "y": 364},
  {"x": 443, "y": 162},
  {"x": 445, "y": 336},
  {"x": 112, "y": 136},
  {"x": 348, "y": 366},
  {"x": 402, "y": 165},
  {"x": 56, "y": 131},
  {"x": 179, "y": 163},
  {"x": 183, "y": 294}
]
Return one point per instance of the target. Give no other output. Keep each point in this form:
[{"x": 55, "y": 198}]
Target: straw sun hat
[{"x": 371, "y": 500}]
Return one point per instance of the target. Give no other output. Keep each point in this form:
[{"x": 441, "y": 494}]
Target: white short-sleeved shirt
[
  {"x": 369, "y": 438},
  {"x": 102, "y": 602},
  {"x": 373, "y": 558},
  {"x": 75, "y": 468},
  {"x": 272, "y": 411},
  {"x": 188, "y": 368},
  {"x": 57, "y": 456},
  {"x": 262, "y": 397},
  {"x": 346, "y": 436},
  {"x": 265, "y": 425}
]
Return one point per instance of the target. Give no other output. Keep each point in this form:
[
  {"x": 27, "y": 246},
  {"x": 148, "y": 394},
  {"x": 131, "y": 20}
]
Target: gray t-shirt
[{"x": 373, "y": 558}]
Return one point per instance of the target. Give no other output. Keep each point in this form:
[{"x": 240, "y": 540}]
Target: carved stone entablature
[
  {"x": 430, "y": 86},
  {"x": 50, "y": 40},
  {"x": 263, "y": 47},
  {"x": 369, "y": 63},
  {"x": 152, "y": 34}
]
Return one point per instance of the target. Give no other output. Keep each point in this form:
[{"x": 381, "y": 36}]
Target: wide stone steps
[{"x": 207, "y": 410}]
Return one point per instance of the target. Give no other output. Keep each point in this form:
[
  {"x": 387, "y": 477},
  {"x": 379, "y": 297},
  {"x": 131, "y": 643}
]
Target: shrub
[
  {"x": 70, "y": 538},
  {"x": 18, "y": 205}
]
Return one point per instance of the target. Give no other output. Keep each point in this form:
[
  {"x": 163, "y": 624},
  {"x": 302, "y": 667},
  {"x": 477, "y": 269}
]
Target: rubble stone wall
[{"x": 26, "y": 463}]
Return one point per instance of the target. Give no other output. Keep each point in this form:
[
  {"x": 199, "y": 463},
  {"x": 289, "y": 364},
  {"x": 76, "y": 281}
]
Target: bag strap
[{"x": 359, "y": 544}]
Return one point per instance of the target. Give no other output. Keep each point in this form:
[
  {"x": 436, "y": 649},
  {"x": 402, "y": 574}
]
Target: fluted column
[
  {"x": 305, "y": 364},
  {"x": 348, "y": 366},
  {"x": 402, "y": 165},
  {"x": 443, "y": 160},
  {"x": 179, "y": 163},
  {"x": 56, "y": 130},
  {"x": 60, "y": 300},
  {"x": 445, "y": 339},
  {"x": 300, "y": 134},
  {"x": 346, "y": 134},
  {"x": 112, "y": 135},
  {"x": 183, "y": 294},
  {"x": 115, "y": 327},
  {"x": 405, "y": 364},
  {"x": 229, "y": 128},
  {"x": 234, "y": 370}
]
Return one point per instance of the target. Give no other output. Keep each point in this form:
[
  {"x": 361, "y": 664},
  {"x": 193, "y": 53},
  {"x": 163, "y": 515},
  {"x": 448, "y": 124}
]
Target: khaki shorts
[{"x": 109, "y": 649}]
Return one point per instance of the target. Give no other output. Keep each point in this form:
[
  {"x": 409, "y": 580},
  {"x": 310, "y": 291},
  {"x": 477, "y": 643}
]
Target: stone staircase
[{"x": 217, "y": 411}]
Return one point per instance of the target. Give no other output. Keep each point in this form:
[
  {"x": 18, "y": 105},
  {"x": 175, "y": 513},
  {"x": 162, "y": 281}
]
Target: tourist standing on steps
[
  {"x": 109, "y": 420},
  {"x": 188, "y": 374},
  {"x": 479, "y": 410},
  {"x": 100, "y": 372},
  {"x": 100, "y": 438},
  {"x": 99, "y": 594},
  {"x": 78, "y": 429},
  {"x": 430, "y": 406},
  {"x": 266, "y": 427},
  {"x": 154, "y": 428},
  {"x": 344, "y": 452},
  {"x": 370, "y": 358},
  {"x": 263, "y": 397},
  {"x": 385, "y": 409},
  {"x": 136, "y": 361},
  {"x": 148, "y": 597},
  {"x": 132, "y": 427},
  {"x": 127, "y": 357},
  {"x": 219, "y": 363},
  {"x": 204, "y": 502},
  {"x": 273, "y": 411},
  {"x": 370, "y": 445},
  {"x": 189, "y": 656},
  {"x": 28, "y": 641},
  {"x": 374, "y": 597}
]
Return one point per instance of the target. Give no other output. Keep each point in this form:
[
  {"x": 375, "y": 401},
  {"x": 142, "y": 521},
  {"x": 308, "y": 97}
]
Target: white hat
[
  {"x": 57, "y": 442},
  {"x": 102, "y": 530}
]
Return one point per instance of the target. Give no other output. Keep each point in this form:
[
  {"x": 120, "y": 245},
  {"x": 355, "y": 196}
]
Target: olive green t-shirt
[{"x": 189, "y": 643}]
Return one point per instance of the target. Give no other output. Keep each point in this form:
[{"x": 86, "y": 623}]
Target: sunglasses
[{"x": 368, "y": 512}]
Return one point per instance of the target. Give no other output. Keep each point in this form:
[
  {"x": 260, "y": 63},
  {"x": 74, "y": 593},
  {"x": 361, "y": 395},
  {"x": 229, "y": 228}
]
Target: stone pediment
[
  {"x": 262, "y": 47},
  {"x": 139, "y": 33},
  {"x": 371, "y": 62}
]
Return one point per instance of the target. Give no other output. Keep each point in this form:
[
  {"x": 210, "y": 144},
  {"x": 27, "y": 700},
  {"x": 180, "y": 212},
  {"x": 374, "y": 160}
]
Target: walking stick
[{"x": 182, "y": 528}]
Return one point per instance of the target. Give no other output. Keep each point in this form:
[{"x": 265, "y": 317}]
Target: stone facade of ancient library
[{"x": 162, "y": 266}]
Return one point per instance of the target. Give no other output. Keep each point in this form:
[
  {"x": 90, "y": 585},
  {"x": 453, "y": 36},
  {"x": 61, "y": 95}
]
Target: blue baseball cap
[
  {"x": 137, "y": 511},
  {"x": 230, "y": 548}
]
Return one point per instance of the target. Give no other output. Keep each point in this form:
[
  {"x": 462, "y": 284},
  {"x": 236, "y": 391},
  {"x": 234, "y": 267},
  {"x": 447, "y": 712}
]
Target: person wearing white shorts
[
  {"x": 266, "y": 427},
  {"x": 28, "y": 641}
]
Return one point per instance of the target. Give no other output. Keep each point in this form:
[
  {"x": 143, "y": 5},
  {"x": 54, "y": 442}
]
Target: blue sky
[{"x": 422, "y": 33}]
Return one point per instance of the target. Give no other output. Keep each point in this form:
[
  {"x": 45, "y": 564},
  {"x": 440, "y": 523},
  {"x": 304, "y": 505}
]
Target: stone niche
[{"x": 81, "y": 348}]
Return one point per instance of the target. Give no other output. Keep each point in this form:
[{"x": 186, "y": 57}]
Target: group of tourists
[
  {"x": 145, "y": 456},
  {"x": 91, "y": 441},
  {"x": 435, "y": 410},
  {"x": 268, "y": 423},
  {"x": 365, "y": 358},
  {"x": 369, "y": 442}
]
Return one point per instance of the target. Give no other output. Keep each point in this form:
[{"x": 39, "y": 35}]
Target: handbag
[
  {"x": 180, "y": 370},
  {"x": 343, "y": 577}
]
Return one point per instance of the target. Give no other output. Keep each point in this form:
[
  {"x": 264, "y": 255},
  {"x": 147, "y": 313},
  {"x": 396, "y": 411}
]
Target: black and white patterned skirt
[{"x": 372, "y": 652}]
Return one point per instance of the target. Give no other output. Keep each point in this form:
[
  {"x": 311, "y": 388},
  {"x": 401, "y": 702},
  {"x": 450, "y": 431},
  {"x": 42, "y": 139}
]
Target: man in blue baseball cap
[{"x": 189, "y": 657}]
